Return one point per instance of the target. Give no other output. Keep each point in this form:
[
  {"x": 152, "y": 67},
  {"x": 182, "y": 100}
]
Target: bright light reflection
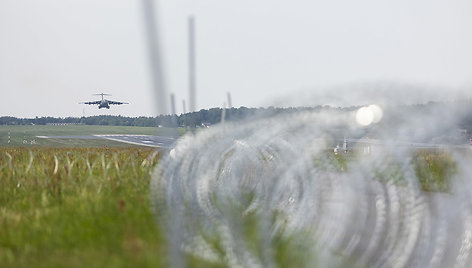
[
  {"x": 364, "y": 116},
  {"x": 377, "y": 111},
  {"x": 368, "y": 115}
]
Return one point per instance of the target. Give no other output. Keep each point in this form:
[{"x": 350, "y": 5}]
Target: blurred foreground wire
[{"x": 258, "y": 193}]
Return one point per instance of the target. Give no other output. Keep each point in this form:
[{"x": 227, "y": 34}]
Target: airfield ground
[
  {"x": 86, "y": 207},
  {"x": 27, "y": 136},
  {"x": 66, "y": 206}
]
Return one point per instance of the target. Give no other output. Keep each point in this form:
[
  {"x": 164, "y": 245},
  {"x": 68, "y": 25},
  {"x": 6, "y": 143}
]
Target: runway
[{"x": 141, "y": 140}]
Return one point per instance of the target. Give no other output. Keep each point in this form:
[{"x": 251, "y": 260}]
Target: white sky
[{"x": 56, "y": 53}]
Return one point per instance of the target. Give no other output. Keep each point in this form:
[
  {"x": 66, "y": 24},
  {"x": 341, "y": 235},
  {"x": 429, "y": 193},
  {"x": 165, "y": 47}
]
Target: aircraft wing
[
  {"x": 117, "y": 102},
  {"x": 90, "y": 102}
]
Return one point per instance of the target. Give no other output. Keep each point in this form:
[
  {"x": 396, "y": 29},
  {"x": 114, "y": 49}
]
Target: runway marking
[
  {"x": 141, "y": 140},
  {"x": 147, "y": 142},
  {"x": 125, "y": 141}
]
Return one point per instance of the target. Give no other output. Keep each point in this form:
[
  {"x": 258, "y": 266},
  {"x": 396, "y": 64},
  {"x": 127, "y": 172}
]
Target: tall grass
[
  {"x": 77, "y": 207},
  {"x": 435, "y": 170}
]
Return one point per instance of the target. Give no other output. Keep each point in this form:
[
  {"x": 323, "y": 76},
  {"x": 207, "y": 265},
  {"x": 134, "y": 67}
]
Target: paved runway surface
[
  {"x": 142, "y": 140},
  {"x": 168, "y": 142}
]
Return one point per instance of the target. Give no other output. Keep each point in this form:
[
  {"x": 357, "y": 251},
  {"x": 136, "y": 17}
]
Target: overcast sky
[{"x": 56, "y": 53}]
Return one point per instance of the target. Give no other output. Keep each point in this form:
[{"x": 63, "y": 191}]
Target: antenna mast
[
  {"x": 155, "y": 56},
  {"x": 191, "y": 64},
  {"x": 172, "y": 104}
]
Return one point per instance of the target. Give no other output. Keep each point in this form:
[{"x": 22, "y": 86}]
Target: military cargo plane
[{"x": 103, "y": 103}]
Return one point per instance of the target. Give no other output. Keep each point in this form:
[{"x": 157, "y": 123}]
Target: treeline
[
  {"x": 194, "y": 119},
  {"x": 206, "y": 117}
]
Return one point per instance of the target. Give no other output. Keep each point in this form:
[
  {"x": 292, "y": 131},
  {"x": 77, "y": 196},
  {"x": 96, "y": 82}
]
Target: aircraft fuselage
[{"x": 104, "y": 104}]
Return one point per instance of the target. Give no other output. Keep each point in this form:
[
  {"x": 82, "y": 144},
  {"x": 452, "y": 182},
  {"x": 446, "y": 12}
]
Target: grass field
[
  {"x": 90, "y": 207},
  {"x": 75, "y": 207},
  {"x": 20, "y": 133}
]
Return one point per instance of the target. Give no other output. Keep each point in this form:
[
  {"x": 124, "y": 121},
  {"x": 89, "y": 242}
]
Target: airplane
[{"x": 103, "y": 103}]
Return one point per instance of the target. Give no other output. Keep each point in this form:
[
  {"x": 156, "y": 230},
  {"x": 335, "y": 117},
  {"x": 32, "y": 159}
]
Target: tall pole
[
  {"x": 230, "y": 104},
  {"x": 9, "y": 137},
  {"x": 191, "y": 64},
  {"x": 155, "y": 56},
  {"x": 223, "y": 113},
  {"x": 172, "y": 104}
]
